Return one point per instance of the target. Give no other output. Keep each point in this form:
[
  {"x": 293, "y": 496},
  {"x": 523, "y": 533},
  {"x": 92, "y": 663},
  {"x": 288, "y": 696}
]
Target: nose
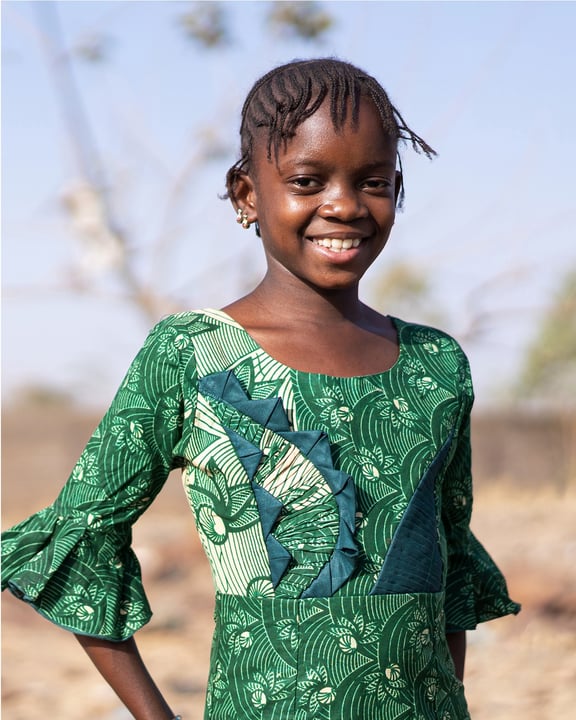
[{"x": 345, "y": 203}]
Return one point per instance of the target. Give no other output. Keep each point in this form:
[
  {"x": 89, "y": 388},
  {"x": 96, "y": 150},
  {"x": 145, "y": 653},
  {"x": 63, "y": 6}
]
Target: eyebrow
[{"x": 376, "y": 165}]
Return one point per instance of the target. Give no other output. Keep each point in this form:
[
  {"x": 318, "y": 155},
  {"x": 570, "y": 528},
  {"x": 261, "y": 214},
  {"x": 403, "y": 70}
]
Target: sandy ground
[{"x": 518, "y": 668}]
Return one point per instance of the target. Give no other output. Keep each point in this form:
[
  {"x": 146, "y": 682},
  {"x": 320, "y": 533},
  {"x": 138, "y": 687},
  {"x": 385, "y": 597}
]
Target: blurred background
[{"x": 119, "y": 121}]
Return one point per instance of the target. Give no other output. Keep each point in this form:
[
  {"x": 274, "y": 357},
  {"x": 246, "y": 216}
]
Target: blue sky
[{"x": 490, "y": 221}]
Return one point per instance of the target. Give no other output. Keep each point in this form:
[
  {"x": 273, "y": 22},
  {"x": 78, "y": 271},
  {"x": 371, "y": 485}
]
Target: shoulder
[
  {"x": 181, "y": 320},
  {"x": 191, "y": 322},
  {"x": 437, "y": 351},
  {"x": 181, "y": 326},
  {"x": 182, "y": 335},
  {"x": 172, "y": 337},
  {"x": 430, "y": 339}
]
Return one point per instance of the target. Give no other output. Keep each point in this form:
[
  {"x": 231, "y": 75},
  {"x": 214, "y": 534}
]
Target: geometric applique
[
  {"x": 225, "y": 386},
  {"x": 413, "y": 563},
  {"x": 342, "y": 562},
  {"x": 312, "y": 445},
  {"x": 269, "y": 508},
  {"x": 248, "y": 454}
]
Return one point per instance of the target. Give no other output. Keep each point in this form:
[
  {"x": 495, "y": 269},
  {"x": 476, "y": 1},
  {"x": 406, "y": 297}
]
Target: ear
[{"x": 243, "y": 194}]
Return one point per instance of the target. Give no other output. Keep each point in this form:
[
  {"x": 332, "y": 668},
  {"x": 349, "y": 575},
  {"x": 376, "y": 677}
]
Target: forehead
[{"x": 320, "y": 134}]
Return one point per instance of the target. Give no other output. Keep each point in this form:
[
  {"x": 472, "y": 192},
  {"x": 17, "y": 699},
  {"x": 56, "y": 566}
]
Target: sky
[{"x": 490, "y": 222}]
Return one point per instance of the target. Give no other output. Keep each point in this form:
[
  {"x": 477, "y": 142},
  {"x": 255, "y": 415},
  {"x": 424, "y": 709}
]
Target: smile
[{"x": 337, "y": 244}]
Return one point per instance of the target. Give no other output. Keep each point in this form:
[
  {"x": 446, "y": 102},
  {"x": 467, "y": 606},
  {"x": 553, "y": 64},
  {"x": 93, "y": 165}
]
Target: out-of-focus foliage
[
  {"x": 94, "y": 48},
  {"x": 205, "y": 24},
  {"x": 549, "y": 373},
  {"x": 304, "y": 20},
  {"x": 102, "y": 248},
  {"x": 404, "y": 290}
]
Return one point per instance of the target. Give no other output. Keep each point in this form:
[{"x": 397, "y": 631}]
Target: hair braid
[{"x": 286, "y": 96}]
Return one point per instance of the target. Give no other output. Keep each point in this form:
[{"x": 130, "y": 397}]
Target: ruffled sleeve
[
  {"x": 72, "y": 561},
  {"x": 475, "y": 588}
]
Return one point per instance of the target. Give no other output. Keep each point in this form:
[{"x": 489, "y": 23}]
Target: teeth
[{"x": 336, "y": 244}]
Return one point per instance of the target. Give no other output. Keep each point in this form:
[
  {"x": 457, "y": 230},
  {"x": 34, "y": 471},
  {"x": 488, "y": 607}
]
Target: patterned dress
[{"x": 334, "y": 512}]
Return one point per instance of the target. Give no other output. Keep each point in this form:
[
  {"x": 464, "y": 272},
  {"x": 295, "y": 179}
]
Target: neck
[{"x": 308, "y": 303}]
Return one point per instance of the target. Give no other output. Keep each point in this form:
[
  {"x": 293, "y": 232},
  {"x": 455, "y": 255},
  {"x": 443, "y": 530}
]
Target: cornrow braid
[{"x": 286, "y": 96}]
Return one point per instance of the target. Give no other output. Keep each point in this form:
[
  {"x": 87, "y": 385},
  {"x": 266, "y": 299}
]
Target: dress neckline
[{"x": 223, "y": 316}]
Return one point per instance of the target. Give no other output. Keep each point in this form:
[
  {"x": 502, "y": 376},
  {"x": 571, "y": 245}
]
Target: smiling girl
[{"x": 324, "y": 447}]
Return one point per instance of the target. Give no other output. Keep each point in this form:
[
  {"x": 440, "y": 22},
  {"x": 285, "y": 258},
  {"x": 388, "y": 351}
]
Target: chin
[{"x": 339, "y": 285}]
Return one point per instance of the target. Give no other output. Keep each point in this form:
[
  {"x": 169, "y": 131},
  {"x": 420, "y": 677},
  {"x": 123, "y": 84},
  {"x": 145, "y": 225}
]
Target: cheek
[
  {"x": 287, "y": 211},
  {"x": 385, "y": 214},
  {"x": 297, "y": 209}
]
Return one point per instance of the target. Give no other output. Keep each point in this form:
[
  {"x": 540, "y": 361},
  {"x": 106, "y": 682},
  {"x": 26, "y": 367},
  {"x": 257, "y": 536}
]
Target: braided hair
[{"x": 285, "y": 97}]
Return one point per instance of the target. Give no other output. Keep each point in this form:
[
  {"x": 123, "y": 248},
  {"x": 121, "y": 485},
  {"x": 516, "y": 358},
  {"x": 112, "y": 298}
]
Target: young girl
[{"x": 325, "y": 451}]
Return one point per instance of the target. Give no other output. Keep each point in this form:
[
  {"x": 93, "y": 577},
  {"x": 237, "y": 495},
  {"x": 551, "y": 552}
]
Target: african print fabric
[{"x": 334, "y": 513}]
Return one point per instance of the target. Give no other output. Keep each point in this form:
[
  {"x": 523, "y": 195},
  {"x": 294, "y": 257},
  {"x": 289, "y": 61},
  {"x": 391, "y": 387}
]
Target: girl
[{"x": 324, "y": 447}]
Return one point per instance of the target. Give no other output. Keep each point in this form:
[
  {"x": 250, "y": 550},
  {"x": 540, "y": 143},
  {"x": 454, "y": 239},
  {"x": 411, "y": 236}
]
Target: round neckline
[{"x": 223, "y": 316}]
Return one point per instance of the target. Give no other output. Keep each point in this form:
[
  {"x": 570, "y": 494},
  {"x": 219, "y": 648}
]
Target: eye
[
  {"x": 377, "y": 185},
  {"x": 305, "y": 183}
]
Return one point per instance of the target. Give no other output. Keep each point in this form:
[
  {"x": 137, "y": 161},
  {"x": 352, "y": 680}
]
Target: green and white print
[{"x": 306, "y": 491}]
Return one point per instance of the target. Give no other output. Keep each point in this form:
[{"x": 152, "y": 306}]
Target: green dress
[{"x": 334, "y": 512}]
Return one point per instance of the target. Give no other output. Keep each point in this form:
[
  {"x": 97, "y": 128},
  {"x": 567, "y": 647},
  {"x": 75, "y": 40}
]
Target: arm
[
  {"x": 121, "y": 666},
  {"x": 457, "y": 646}
]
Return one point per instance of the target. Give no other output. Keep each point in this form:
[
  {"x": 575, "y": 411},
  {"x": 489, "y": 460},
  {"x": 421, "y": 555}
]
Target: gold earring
[{"x": 242, "y": 218}]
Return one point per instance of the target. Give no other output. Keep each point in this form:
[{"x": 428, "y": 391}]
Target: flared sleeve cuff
[
  {"x": 476, "y": 590},
  {"x": 80, "y": 577}
]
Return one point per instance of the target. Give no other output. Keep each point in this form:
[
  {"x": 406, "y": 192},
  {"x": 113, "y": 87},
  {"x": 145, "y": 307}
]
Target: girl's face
[{"x": 327, "y": 205}]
